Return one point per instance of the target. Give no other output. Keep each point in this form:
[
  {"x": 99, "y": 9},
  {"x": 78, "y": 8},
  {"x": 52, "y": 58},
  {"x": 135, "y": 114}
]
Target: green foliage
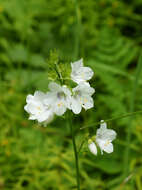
[{"x": 109, "y": 40}]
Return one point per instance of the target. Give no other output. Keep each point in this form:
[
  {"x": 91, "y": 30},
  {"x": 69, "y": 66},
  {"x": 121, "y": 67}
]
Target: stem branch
[{"x": 111, "y": 119}]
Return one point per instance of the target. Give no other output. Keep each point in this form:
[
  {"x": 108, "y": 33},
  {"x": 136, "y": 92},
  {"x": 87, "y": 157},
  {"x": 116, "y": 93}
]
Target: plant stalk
[
  {"x": 77, "y": 30},
  {"x": 132, "y": 104},
  {"x": 76, "y": 156}
]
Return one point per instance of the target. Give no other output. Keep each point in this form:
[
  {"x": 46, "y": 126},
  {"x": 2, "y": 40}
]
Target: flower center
[
  {"x": 39, "y": 108},
  {"x": 60, "y": 104},
  {"x": 107, "y": 143},
  {"x": 61, "y": 95},
  {"x": 85, "y": 100},
  {"x": 77, "y": 93}
]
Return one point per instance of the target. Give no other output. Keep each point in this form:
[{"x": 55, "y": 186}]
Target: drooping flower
[
  {"x": 37, "y": 109},
  {"x": 59, "y": 97},
  {"x": 92, "y": 147},
  {"x": 80, "y": 73},
  {"x": 82, "y": 97},
  {"x": 104, "y": 138}
]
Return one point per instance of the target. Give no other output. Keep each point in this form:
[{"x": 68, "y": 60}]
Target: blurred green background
[{"x": 108, "y": 35}]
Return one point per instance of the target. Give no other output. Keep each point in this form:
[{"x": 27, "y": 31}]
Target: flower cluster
[
  {"x": 103, "y": 139},
  {"x": 43, "y": 106}
]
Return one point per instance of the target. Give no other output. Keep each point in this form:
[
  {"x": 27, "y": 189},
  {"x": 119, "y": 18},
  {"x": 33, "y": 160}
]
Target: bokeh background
[{"x": 108, "y": 35}]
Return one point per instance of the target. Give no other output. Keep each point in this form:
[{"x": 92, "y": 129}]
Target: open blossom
[
  {"x": 104, "y": 138},
  {"x": 59, "y": 97},
  {"x": 80, "y": 73},
  {"x": 37, "y": 109},
  {"x": 82, "y": 97}
]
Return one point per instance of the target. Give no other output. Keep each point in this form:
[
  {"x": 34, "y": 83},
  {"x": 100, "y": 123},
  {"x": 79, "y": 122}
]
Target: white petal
[
  {"x": 101, "y": 144},
  {"x": 77, "y": 79},
  {"x": 108, "y": 148},
  {"x": 32, "y": 117},
  {"x": 50, "y": 98},
  {"x": 84, "y": 88},
  {"x": 87, "y": 89},
  {"x": 77, "y": 88},
  {"x": 26, "y": 108},
  {"x": 29, "y": 98},
  {"x": 54, "y": 87},
  {"x": 66, "y": 90},
  {"x": 48, "y": 120},
  {"x": 33, "y": 108},
  {"x": 38, "y": 94},
  {"x": 80, "y": 73},
  {"x": 30, "y": 108},
  {"x": 44, "y": 116},
  {"x": 106, "y": 134},
  {"x": 77, "y": 64},
  {"x": 105, "y": 145},
  {"x": 86, "y": 73},
  {"x": 92, "y": 147},
  {"x": 59, "y": 108},
  {"x": 87, "y": 102},
  {"x": 68, "y": 102},
  {"x": 111, "y": 134},
  {"x": 76, "y": 106}
]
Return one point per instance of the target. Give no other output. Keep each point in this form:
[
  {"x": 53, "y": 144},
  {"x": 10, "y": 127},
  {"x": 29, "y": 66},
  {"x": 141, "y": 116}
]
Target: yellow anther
[
  {"x": 85, "y": 100},
  {"x": 107, "y": 143},
  {"x": 80, "y": 100},
  {"x": 60, "y": 104},
  {"x": 38, "y": 107}
]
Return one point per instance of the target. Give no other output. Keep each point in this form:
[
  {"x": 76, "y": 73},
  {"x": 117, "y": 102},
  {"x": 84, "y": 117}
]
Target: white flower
[
  {"x": 37, "y": 109},
  {"x": 104, "y": 137},
  {"x": 80, "y": 73},
  {"x": 92, "y": 147},
  {"x": 82, "y": 97},
  {"x": 59, "y": 97}
]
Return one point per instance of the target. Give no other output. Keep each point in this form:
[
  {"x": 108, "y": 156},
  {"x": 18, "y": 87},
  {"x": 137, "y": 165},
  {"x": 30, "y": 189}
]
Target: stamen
[
  {"x": 60, "y": 104},
  {"x": 39, "y": 108},
  {"x": 107, "y": 143},
  {"x": 85, "y": 100}
]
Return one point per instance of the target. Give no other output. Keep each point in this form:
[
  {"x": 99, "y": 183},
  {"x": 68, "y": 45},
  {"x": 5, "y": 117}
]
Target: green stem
[
  {"x": 111, "y": 119},
  {"x": 77, "y": 30},
  {"x": 76, "y": 155},
  {"x": 132, "y": 103},
  {"x": 59, "y": 74}
]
